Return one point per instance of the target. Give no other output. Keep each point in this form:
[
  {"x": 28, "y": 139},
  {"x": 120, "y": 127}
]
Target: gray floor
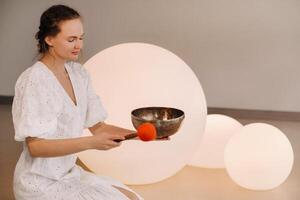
[{"x": 190, "y": 183}]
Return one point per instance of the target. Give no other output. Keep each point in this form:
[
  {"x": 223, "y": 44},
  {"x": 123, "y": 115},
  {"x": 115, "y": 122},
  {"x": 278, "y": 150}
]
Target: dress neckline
[{"x": 60, "y": 85}]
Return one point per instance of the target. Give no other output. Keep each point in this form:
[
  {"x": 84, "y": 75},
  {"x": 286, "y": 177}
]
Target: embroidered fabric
[{"x": 42, "y": 108}]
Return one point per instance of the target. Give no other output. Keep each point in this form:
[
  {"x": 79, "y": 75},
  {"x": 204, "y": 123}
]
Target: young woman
[{"x": 54, "y": 101}]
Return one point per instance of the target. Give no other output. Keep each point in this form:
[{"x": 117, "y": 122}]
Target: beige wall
[{"x": 244, "y": 52}]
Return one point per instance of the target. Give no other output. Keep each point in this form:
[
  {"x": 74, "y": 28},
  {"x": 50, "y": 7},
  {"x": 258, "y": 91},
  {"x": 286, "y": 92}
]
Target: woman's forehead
[{"x": 69, "y": 28}]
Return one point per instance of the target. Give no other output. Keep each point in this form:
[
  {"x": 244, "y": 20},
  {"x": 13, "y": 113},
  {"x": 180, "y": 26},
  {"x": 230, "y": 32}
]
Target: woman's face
[{"x": 69, "y": 41}]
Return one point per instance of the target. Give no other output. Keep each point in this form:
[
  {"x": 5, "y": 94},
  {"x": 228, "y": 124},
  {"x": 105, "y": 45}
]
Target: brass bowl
[{"x": 166, "y": 120}]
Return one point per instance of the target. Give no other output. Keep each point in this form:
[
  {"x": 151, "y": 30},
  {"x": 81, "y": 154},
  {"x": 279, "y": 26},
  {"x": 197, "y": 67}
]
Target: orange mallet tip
[{"x": 146, "y": 132}]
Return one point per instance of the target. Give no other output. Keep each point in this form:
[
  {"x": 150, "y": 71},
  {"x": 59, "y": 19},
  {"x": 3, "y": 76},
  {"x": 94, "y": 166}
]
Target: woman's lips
[{"x": 75, "y": 53}]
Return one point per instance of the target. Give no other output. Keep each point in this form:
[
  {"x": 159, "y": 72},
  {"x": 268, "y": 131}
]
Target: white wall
[{"x": 244, "y": 52}]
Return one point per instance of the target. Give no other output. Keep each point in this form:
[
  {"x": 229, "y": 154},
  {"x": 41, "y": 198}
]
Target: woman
[{"x": 54, "y": 101}]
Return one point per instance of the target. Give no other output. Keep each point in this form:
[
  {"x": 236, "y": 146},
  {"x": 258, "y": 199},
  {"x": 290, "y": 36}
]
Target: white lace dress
[{"x": 42, "y": 108}]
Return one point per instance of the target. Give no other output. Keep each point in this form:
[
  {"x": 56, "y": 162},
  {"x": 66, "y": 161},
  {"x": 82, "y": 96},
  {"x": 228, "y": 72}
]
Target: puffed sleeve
[
  {"x": 32, "y": 109},
  {"x": 95, "y": 110}
]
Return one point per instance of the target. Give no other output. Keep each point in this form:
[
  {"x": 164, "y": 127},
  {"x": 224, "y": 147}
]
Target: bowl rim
[{"x": 158, "y": 107}]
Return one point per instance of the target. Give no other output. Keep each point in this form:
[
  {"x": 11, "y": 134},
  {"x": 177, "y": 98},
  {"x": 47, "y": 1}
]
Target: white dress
[{"x": 42, "y": 108}]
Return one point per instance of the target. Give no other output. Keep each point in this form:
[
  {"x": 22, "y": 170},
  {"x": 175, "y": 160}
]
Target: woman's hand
[
  {"x": 163, "y": 139},
  {"x": 105, "y": 141}
]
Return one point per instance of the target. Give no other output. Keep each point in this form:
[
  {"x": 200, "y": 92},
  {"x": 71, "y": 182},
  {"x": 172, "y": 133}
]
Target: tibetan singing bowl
[{"x": 166, "y": 120}]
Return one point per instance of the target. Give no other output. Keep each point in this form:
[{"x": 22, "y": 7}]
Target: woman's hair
[{"x": 49, "y": 24}]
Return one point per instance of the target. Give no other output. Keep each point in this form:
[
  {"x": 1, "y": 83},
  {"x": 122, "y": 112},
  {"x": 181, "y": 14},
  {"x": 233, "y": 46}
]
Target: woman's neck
[{"x": 55, "y": 64}]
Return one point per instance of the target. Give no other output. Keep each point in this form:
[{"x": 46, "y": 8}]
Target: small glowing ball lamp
[
  {"x": 218, "y": 130},
  {"x": 134, "y": 75},
  {"x": 259, "y": 157}
]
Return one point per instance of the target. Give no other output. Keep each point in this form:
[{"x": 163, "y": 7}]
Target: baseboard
[
  {"x": 6, "y": 100},
  {"x": 256, "y": 114},
  {"x": 232, "y": 112}
]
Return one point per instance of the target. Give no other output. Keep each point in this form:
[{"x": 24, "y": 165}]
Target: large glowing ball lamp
[{"x": 134, "y": 75}]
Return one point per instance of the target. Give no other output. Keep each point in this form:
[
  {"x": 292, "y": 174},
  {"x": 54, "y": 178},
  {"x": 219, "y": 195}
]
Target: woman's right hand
[{"x": 105, "y": 141}]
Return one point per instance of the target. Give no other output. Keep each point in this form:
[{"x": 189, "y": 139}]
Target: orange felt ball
[{"x": 146, "y": 131}]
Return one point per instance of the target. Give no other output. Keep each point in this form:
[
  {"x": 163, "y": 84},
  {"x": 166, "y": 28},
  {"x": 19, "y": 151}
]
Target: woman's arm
[{"x": 59, "y": 147}]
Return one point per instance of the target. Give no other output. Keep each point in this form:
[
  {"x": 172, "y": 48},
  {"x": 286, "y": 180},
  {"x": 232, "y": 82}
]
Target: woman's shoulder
[{"x": 32, "y": 74}]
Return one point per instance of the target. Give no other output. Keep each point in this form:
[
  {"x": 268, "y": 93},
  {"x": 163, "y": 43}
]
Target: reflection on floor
[{"x": 191, "y": 183}]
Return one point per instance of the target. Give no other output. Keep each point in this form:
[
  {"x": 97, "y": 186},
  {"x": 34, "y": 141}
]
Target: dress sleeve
[
  {"x": 95, "y": 110},
  {"x": 32, "y": 109}
]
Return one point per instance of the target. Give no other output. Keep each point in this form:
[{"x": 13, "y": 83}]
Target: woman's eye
[{"x": 72, "y": 40}]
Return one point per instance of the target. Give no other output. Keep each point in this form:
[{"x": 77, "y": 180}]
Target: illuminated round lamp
[
  {"x": 259, "y": 157},
  {"x": 218, "y": 130},
  {"x": 134, "y": 75}
]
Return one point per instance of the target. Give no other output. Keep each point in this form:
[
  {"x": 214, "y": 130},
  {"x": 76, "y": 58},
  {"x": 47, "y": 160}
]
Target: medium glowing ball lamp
[
  {"x": 135, "y": 75},
  {"x": 259, "y": 157},
  {"x": 218, "y": 131}
]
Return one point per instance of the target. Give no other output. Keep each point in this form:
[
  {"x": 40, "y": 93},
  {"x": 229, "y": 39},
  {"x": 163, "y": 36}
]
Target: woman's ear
[{"x": 49, "y": 41}]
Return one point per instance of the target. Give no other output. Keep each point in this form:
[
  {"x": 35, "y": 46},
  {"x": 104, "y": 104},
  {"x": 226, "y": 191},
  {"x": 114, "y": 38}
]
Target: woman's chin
[{"x": 73, "y": 58}]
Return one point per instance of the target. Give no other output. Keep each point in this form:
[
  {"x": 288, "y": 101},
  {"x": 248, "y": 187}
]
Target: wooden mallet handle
[{"x": 127, "y": 137}]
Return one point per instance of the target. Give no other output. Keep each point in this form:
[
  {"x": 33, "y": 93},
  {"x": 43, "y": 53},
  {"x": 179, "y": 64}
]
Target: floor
[{"x": 190, "y": 183}]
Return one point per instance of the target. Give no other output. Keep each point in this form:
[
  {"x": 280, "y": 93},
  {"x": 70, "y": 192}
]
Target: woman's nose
[{"x": 78, "y": 45}]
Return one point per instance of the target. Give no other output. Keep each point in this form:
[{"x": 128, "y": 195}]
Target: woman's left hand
[{"x": 163, "y": 139}]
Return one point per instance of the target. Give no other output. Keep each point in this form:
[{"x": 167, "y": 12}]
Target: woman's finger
[{"x": 164, "y": 138}]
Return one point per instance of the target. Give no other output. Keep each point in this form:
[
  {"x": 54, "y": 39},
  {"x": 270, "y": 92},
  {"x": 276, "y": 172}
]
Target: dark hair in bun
[{"x": 49, "y": 24}]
